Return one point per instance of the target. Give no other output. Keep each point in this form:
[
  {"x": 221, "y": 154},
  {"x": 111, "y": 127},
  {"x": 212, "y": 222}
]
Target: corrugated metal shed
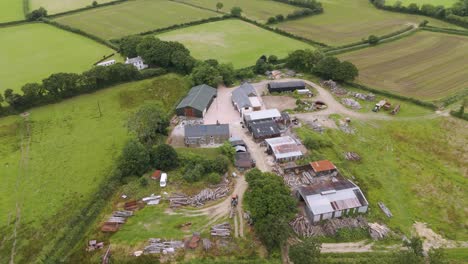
[
  {"x": 286, "y": 86},
  {"x": 264, "y": 129},
  {"x": 322, "y": 165},
  {"x": 284, "y": 147},
  {"x": 206, "y": 130},
  {"x": 263, "y": 114}
]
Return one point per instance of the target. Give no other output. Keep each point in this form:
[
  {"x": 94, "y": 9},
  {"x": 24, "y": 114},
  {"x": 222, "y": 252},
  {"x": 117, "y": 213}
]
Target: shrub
[
  {"x": 213, "y": 178},
  {"x": 373, "y": 40},
  {"x": 271, "y": 20}
]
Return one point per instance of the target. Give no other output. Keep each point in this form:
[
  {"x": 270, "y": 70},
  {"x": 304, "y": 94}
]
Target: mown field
[
  {"x": 72, "y": 150},
  {"x": 32, "y": 52},
  {"x": 345, "y": 22},
  {"x": 446, "y": 3},
  {"x": 417, "y": 181},
  {"x": 233, "y": 41},
  {"x": 59, "y": 6},
  {"x": 11, "y": 10},
  {"x": 259, "y": 10},
  {"x": 425, "y": 65},
  {"x": 133, "y": 17}
]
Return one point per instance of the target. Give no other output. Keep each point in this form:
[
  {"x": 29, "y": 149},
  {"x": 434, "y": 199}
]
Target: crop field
[
  {"x": 345, "y": 22},
  {"x": 417, "y": 181},
  {"x": 259, "y": 10},
  {"x": 133, "y": 17},
  {"x": 66, "y": 52},
  {"x": 425, "y": 65},
  {"x": 446, "y": 3},
  {"x": 233, "y": 41},
  {"x": 59, "y": 6},
  {"x": 72, "y": 149},
  {"x": 11, "y": 10}
]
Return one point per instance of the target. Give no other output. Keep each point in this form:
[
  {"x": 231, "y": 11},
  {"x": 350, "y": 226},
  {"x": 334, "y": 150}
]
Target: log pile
[
  {"x": 366, "y": 97},
  {"x": 123, "y": 213},
  {"x": 157, "y": 246},
  {"x": 351, "y": 103},
  {"x": 378, "y": 231},
  {"x": 303, "y": 227},
  {"x": 222, "y": 230},
  {"x": 352, "y": 156},
  {"x": 180, "y": 199}
]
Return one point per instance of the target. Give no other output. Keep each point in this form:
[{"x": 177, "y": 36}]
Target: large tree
[
  {"x": 346, "y": 71},
  {"x": 154, "y": 51},
  {"x": 204, "y": 73},
  {"x": 236, "y": 11},
  {"x": 326, "y": 67},
  {"x": 219, "y": 6},
  {"x": 128, "y": 45},
  {"x": 148, "y": 123},
  {"x": 306, "y": 252},
  {"x": 135, "y": 159},
  {"x": 164, "y": 157}
]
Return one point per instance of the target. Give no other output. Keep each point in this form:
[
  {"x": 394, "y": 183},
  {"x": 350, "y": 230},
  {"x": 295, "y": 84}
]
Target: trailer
[
  {"x": 396, "y": 110},
  {"x": 379, "y": 105}
]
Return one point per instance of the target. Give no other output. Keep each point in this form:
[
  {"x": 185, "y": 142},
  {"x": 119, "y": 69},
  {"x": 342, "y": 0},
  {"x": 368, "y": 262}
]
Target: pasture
[
  {"x": 59, "y": 6},
  {"x": 425, "y": 65},
  {"x": 133, "y": 17},
  {"x": 446, "y": 3},
  {"x": 72, "y": 149},
  {"x": 417, "y": 181},
  {"x": 345, "y": 22},
  {"x": 259, "y": 10},
  {"x": 233, "y": 41},
  {"x": 32, "y": 52},
  {"x": 11, "y": 10}
]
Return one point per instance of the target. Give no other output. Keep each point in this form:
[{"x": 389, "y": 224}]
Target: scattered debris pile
[
  {"x": 158, "y": 246},
  {"x": 221, "y": 230},
  {"x": 353, "y": 156},
  {"x": 180, "y": 199},
  {"x": 351, "y": 103},
  {"x": 131, "y": 206},
  {"x": 365, "y": 97},
  {"x": 304, "y": 228},
  {"x": 93, "y": 245},
  {"x": 378, "y": 231},
  {"x": 248, "y": 218},
  {"x": 334, "y": 88},
  {"x": 385, "y": 209},
  {"x": 293, "y": 180},
  {"x": 206, "y": 244},
  {"x": 193, "y": 242},
  {"x": 152, "y": 199},
  {"x": 113, "y": 222}
]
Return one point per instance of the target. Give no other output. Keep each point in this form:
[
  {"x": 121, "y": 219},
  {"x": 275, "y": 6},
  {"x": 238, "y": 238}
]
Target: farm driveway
[{"x": 222, "y": 110}]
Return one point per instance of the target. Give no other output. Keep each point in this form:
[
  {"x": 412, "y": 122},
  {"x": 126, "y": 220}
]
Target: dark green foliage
[
  {"x": 306, "y": 252},
  {"x": 415, "y": 246},
  {"x": 219, "y": 6},
  {"x": 219, "y": 165},
  {"x": 228, "y": 150},
  {"x": 244, "y": 74},
  {"x": 213, "y": 178},
  {"x": 373, "y": 39},
  {"x": 135, "y": 159},
  {"x": 148, "y": 123},
  {"x": 143, "y": 182},
  {"x": 228, "y": 73},
  {"x": 279, "y": 18},
  {"x": 194, "y": 174},
  {"x": 326, "y": 67},
  {"x": 261, "y": 66},
  {"x": 271, "y": 206},
  {"x": 204, "y": 73},
  {"x": 95, "y": 3},
  {"x": 164, "y": 157},
  {"x": 271, "y": 20},
  {"x": 128, "y": 46},
  {"x": 197, "y": 167},
  {"x": 304, "y": 60},
  {"x": 273, "y": 59},
  {"x": 346, "y": 71},
  {"x": 37, "y": 14},
  {"x": 236, "y": 11},
  {"x": 311, "y": 4},
  {"x": 437, "y": 256}
]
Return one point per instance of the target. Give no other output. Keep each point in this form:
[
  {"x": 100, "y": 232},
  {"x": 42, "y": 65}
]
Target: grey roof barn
[
  {"x": 206, "y": 134},
  {"x": 240, "y": 96},
  {"x": 197, "y": 102}
]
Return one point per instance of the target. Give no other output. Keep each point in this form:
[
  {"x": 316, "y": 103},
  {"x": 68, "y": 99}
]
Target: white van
[{"x": 163, "y": 180}]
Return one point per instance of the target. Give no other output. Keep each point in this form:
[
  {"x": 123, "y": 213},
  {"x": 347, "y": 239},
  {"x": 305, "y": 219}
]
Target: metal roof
[
  {"x": 284, "y": 147},
  {"x": 263, "y": 114},
  {"x": 240, "y": 96},
  {"x": 262, "y": 129},
  {"x": 280, "y": 85},
  {"x": 206, "y": 130},
  {"x": 322, "y": 165},
  {"x": 198, "y": 97}
]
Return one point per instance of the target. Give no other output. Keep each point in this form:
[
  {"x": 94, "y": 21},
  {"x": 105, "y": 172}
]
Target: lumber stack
[
  {"x": 303, "y": 227},
  {"x": 352, "y": 156},
  {"x": 385, "y": 209},
  {"x": 122, "y": 213},
  {"x": 157, "y": 246},
  {"x": 221, "y": 230},
  {"x": 209, "y": 195},
  {"x": 378, "y": 231},
  {"x": 178, "y": 199}
]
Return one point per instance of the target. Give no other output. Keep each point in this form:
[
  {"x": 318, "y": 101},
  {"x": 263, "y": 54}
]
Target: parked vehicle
[{"x": 163, "y": 181}]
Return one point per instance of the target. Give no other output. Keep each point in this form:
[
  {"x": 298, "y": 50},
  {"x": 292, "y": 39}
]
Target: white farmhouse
[{"x": 137, "y": 62}]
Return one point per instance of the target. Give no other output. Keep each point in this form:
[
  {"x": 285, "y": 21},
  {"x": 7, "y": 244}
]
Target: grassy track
[
  {"x": 59, "y": 6},
  {"x": 133, "y": 17},
  {"x": 417, "y": 181},
  {"x": 345, "y": 21},
  {"x": 425, "y": 65},
  {"x": 11, "y": 10},
  {"x": 34, "y": 51},
  {"x": 259, "y": 10},
  {"x": 446, "y": 3},
  {"x": 72, "y": 149},
  {"x": 233, "y": 41}
]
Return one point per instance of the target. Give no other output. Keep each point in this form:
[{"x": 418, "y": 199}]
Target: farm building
[
  {"x": 283, "y": 149},
  {"x": 270, "y": 114},
  {"x": 137, "y": 62},
  {"x": 264, "y": 129},
  {"x": 106, "y": 63},
  {"x": 332, "y": 198},
  {"x": 244, "y": 98},
  {"x": 199, "y": 135},
  {"x": 323, "y": 167},
  {"x": 279, "y": 87},
  {"x": 197, "y": 102}
]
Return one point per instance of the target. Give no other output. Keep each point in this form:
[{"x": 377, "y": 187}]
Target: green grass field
[
  {"x": 59, "y": 6},
  {"x": 133, "y": 17},
  {"x": 11, "y": 10},
  {"x": 425, "y": 65},
  {"x": 72, "y": 150},
  {"x": 417, "y": 181},
  {"x": 259, "y": 10},
  {"x": 233, "y": 41},
  {"x": 446, "y": 3},
  {"x": 345, "y": 22},
  {"x": 34, "y": 51}
]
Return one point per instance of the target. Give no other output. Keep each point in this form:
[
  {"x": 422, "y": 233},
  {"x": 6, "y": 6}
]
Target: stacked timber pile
[
  {"x": 178, "y": 199},
  {"x": 351, "y": 103},
  {"x": 117, "y": 219},
  {"x": 123, "y": 213},
  {"x": 131, "y": 206},
  {"x": 206, "y": 244},
  {"x": 352, "y": 156},
  {"x": 158, "y": 246},
  {"x": 303, "y": 227},
  {"x": 366, "y": 97},
  {"x": 222, "y": 230},
  {"x": 209, "y": 195},
  {"x": 378, "y": 231}
]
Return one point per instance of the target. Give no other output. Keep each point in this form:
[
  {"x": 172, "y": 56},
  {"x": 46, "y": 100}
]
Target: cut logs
[
  {"x": 303, "y": 227},
  {"x": 222, "y": 230},
  {"x": 179, "y": 199},
  {"x": 157, "y": 246}
]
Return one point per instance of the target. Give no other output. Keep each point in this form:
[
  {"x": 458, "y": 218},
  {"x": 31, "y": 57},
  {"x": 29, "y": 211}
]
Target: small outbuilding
[
  {"x": 270, "y": 114},
  {"x": 264, "y": 129},
  {"x": 200, "y": 135},
  {"x": 284, "y": 149},
  {"x": 280, "y": 87},
  {"x": 197, "y": 102},
  {"x": 244, "y": 98},
  {"x": 323, "y": 167}
]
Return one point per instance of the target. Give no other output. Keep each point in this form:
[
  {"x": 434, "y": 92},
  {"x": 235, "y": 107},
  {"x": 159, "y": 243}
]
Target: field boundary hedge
[
  {"x": 80, "y": 32},
  {"x": 86, "y": 8},
  {"x": 13, "y": 23},
  {"x": 446, "y": 30},
  {"x": 199, "y": 7},
  {"x": 425, "y": 104}
]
